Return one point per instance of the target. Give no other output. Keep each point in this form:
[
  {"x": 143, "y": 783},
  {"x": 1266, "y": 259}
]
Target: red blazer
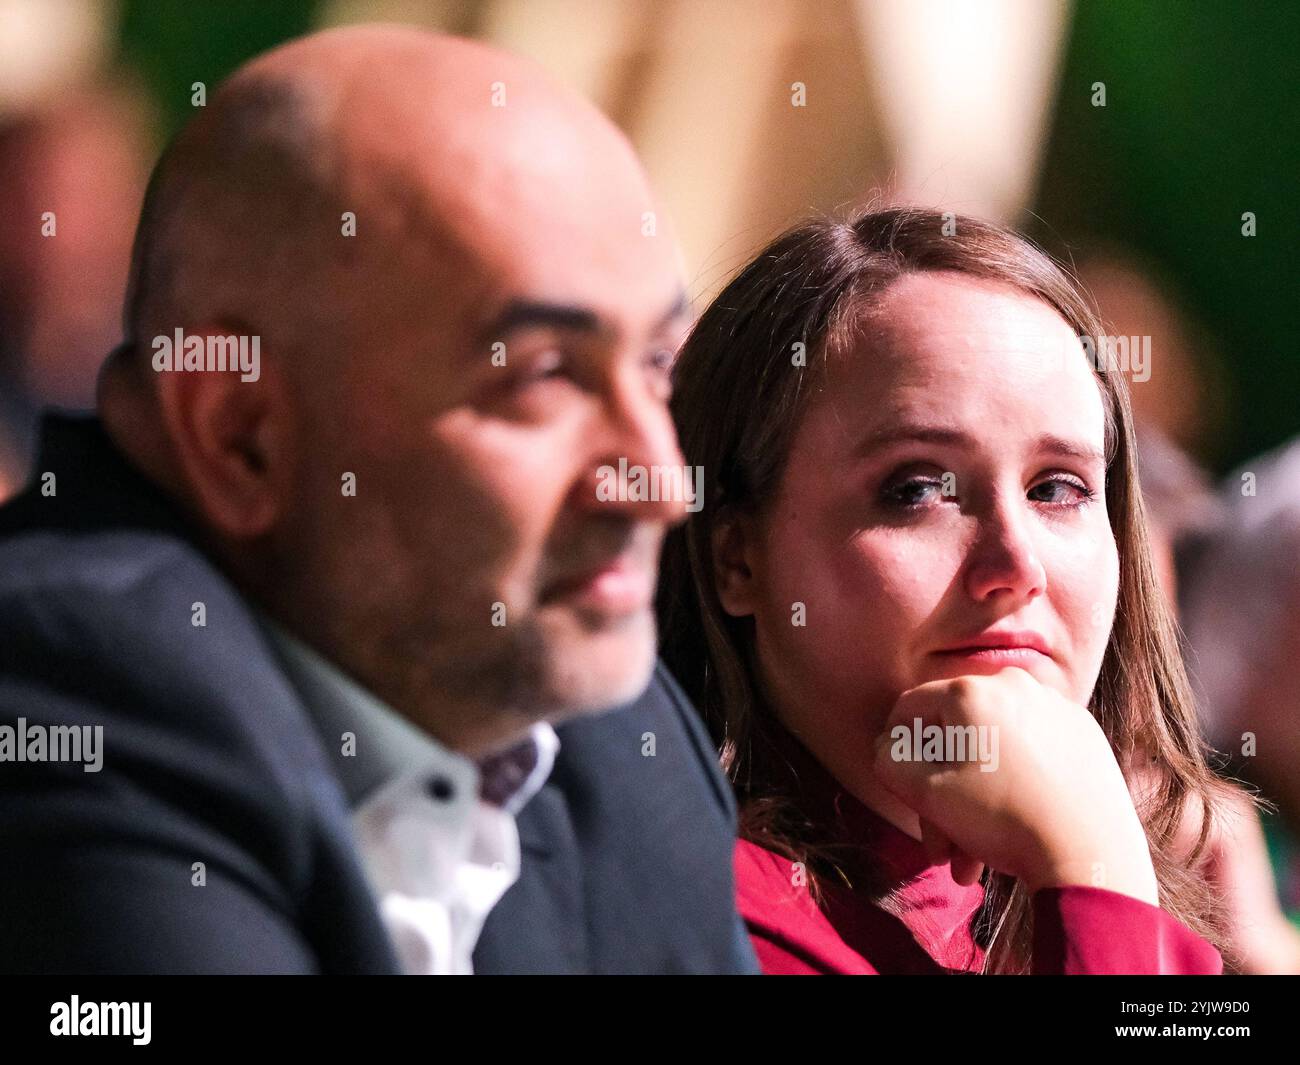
[{"x": 1076, "y": 929}]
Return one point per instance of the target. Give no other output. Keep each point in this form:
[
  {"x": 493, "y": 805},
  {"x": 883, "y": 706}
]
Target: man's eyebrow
[
  {"x": 571, "y": 317},
  {"x": 531, "y": 314},
  {"x": 1047, "y": 443},
  {"x": 676, "y": 309}
]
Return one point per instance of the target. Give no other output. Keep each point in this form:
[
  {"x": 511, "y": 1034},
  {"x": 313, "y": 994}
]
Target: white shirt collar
[
  {"x": 372, "y": 745},
  {"x": 435, "y": 830}
]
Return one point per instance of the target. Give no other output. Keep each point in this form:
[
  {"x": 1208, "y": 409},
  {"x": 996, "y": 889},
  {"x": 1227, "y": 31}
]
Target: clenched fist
[{"x": 1052, "y": 809}]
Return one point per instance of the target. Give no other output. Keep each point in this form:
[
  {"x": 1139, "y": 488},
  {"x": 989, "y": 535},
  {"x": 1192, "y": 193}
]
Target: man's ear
[
  {"x": 732, "y": 542},
  {"x": 232, "y": 441}
]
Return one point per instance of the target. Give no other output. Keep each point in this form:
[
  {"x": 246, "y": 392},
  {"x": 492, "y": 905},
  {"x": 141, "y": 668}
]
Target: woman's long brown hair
[{"x": 739, "y": 392}]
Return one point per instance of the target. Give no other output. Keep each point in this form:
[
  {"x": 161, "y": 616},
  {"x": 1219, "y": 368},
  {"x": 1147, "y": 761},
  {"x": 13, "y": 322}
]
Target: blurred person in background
[
  {"x": 1184, "y": 517},
  {"x": 1240, "y": 596},
  {"x": 1182, "y": 389},
  {"x": 74, "y": 170}
]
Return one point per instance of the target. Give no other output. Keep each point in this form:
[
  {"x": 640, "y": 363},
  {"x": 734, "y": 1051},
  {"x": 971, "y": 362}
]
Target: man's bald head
[
  {"x": 243, "y": 223},
  {"x": 467, "y": 306}
]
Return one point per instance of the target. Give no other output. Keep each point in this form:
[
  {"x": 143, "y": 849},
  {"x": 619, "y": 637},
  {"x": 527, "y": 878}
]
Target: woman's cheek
[
  {"x": 1085, "y": 590},
  {"x": 895, "y": 584},
  {"x": 825, "y": 614}
]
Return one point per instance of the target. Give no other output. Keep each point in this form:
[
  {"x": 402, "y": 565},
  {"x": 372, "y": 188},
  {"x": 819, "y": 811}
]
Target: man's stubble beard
[
  {"x": 451, "y": 672},
  {"x": 494, "y": 694}
]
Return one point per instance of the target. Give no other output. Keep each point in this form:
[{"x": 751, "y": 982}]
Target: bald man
[{"x": 309, "y": 595}]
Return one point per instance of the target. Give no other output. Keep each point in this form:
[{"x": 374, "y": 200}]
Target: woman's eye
[
  {"x": 1062, "y": 491},
  {"x": 914, "y": 492}
]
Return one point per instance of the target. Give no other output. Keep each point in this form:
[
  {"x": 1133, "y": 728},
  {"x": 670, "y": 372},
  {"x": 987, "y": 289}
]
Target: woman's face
[{"x": 947, "y": 481}]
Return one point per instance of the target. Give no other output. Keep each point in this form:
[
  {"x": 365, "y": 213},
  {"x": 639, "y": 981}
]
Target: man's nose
[
  {"x": 636, "y": 465},
  {"x": 1004, "y": 557}
]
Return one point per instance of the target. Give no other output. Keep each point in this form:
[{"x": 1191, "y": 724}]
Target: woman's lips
[
  {"x": 1010, "y": 656},
  {"x": 1000, "y": 648}
]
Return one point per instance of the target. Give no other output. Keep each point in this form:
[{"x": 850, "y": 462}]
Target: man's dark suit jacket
[{"x": 210, "y": 758}]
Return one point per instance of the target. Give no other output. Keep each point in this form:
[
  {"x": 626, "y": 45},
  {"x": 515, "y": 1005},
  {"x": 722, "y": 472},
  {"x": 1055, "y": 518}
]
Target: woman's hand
[{"x": 1053, "y": 809}]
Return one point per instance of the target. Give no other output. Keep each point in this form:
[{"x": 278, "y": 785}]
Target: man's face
[{"x": 476, "y": 580}]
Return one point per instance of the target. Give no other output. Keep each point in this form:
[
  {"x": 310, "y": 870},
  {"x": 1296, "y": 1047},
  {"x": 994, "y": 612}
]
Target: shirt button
[{"x": 439, "y": 788}]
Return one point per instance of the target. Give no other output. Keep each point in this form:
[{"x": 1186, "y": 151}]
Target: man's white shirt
[{"x": 435, "y": 830}]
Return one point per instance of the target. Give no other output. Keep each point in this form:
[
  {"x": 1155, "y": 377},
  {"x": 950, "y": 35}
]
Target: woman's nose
[{"x": 1004, "y": 557}]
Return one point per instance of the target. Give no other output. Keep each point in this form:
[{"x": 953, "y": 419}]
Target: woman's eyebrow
[
  {"x": 879, "y": 439},
  {"x": 1047, "y": 443},
  {"x": 1051, "y": 444}
]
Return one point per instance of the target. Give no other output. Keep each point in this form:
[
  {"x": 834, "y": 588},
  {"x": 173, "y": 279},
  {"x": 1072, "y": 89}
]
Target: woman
[{"x": 917, "y": 608}]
